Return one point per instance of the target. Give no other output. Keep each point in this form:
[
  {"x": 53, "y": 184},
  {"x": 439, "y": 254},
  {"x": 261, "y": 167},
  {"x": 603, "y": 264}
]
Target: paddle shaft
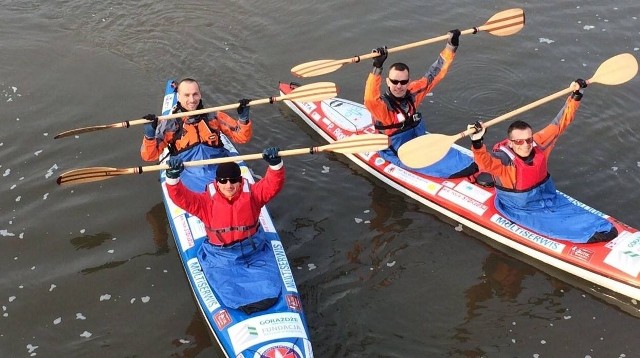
[
  {"x": 515, "y": 112},
  {"x": 203, "y": 111},
  {"x": 311, "y": 92},
  {"x": 354, "y": 144},
  {"x": 504, "y": 23}
]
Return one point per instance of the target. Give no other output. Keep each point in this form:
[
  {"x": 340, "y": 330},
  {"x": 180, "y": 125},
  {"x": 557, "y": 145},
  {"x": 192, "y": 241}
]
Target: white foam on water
[
  {"x": 5, "y": 232},
  {"x": 86, "y": 334},
  {"x": 37, "y": 152},
  {"x": 50, "y": 171}
]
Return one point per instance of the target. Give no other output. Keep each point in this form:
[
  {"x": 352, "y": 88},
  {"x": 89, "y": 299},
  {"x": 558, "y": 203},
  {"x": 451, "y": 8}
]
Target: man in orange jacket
[
  {"x": 395, "y": 112},
  {"x": 525, "y": 192},
  {"x": 194, "y": 137}
]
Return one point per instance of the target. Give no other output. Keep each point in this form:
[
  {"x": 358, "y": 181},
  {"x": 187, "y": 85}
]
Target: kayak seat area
[
  {"x": 485, "y": 179},
  {"x": 259, "y": 306}
]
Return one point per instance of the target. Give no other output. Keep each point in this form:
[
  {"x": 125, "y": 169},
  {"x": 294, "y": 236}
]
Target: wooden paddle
[
  {"x": 504, "y": 23},
  {"x": 353, "y": 144},
  {"x": 430, "y": 148},
  {"x": 307, "y": 93}
]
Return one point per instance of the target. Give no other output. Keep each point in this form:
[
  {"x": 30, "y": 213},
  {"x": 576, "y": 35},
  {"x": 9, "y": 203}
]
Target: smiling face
[
  {"x": 399, "y": 76},
  {"x": 521, "y": 141},
  {"x": 230, "y": 188},
  {"x": 189, "y": 94}
]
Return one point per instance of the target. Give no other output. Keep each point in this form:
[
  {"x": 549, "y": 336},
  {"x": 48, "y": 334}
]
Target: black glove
[
  {"x": 176, "y": 166},
  {"x": 577, "y": 95},
  {"x": 454, "y": 37},
  {"x": 379, "y": 61},
  {"x": 581, "y": 82},
  {"x": 270, "y": 155},
  {"x": 477, "y": 137},
  {"x": 243, "y": 109},
  {"x": 150, "y": 128}
]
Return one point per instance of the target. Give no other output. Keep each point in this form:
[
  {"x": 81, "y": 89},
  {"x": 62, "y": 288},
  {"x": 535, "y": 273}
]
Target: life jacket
[
  {"x": 403, "y": 120},
  {"x": 529, "y": 175},
  {"x": 234, "y": 221},
  {"x": 192, "y": 131}
]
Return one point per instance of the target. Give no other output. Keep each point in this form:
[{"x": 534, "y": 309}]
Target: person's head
[
  {"x": 228, "y": 179},
  {"x": 520, "y": 138},
  {"x": 398, "y": 79},
  {"x": 189, "y": 94}
]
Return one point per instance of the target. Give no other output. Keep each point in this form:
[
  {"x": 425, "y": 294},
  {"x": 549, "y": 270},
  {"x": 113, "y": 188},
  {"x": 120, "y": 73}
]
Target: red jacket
[
  {"x": 229, "y": 221},
  {"x": 505, "y": 174}
]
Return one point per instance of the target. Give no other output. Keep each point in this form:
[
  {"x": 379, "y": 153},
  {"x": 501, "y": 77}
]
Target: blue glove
[
  {"x": 271, "y": 156},
  {"x": 150, "y": 128},
  {"x": 243, "y": 109},
  {"x": 175, "y": 168}
]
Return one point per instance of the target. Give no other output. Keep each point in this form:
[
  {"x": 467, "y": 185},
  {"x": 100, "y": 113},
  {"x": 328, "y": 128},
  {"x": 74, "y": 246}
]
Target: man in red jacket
[{"x": 237, "y": 258}]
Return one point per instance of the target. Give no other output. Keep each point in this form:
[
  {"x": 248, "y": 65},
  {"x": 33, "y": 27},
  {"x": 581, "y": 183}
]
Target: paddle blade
[
  {"x": 88, "y": 175},
  {"x": 358, "y": 144},
  {"x": 425, "y": 150},
  {"x": 616, "y": 70},
  {"x": 504, "y": 23},
  {"x": 316, "y": 68},
  {"x": 312, "y": 92}
]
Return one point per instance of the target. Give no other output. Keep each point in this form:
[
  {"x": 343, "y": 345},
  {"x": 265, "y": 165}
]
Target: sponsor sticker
[
  {"x": 463, "y": 201},
  {"x": 307, "y": 106},
  {"x": 279, "y": 350},
  {"x": 539, "y": 240},
  {"x": 625, "y": 255},
  {"x": 184, "y": 232},
  {"x": 283, "y": 266},
  {"x": 167, "y": 104},
  {"x": 347, "y": 115},
  {"x": 202, "y": 285},
  {"x": 581, "y": 253},
  {"x": 406, "y": 176},
  {"x": 266, "y": 328},
  {"x": 293, "y": 301},
  {"x": 265, "y": 220},
  {"x": 473, "y": 191},
  {"x": 222, "y": 319},
  {"x": 197, "y": 227}
]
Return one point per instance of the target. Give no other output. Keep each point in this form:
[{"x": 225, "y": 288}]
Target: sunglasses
[
  {"x": 230, "y": 180},
  {"x": 522, "y": 141},
  {"x": 402, "y": 82}
]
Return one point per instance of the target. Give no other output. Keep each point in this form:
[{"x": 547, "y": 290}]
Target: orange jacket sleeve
[
  {"x": 434, "y": 74},
  {"x": 548, "y": 136},
  {"x": 151, "y": 149},
  {"x": 505, "y": 174},
  {"x": 236, "y": 131}
]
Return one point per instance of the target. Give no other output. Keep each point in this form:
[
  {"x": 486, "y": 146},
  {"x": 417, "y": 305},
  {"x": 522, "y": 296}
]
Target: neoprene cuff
[
  {"x": 477, "y": 144},
  {"x": 171, "y": 181}
]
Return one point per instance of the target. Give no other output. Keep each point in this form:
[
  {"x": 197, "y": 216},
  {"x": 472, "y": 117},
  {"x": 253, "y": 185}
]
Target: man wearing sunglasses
[
  {"x": 395, "y": 112},
  {"x": 194, "y": 137},
  {"x": 525, "y": 192},
  {"x": 237, "y": 246}
]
